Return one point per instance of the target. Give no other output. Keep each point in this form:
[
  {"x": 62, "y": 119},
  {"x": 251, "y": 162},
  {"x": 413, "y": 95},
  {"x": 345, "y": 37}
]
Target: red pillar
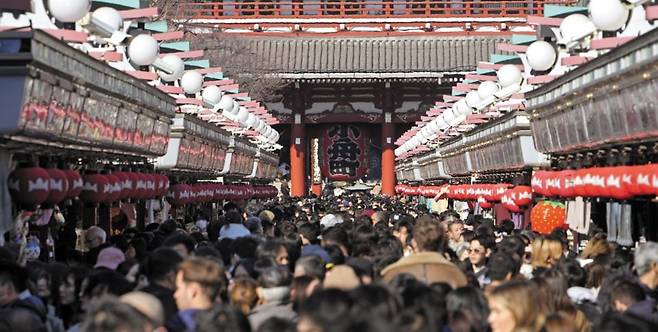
[
  {"x": 297, "y": 161},
  {"x": 388, "y": 156}
]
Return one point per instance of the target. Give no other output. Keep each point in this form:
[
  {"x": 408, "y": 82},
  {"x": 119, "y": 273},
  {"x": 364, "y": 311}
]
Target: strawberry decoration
[{"x": 548, "y": 215}]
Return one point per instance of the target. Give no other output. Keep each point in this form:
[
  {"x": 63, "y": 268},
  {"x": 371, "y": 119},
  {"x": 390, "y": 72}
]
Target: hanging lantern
[
  {"x": 68, "y": 11},
  {"x": 541, "y": 55},
  {"x": 163, "y": 185},
  {"x": 124, "y": 183},
  {"x": 114, "y": 189},
  {"x": 75, "y": 183},
  {"x": 179, "y": 194},
  {"x": 509, "y": 201},
  {"x": 484, "y": 203},
  {"x": 29, "y": 185},
  {"x": 141, "y": 187},
  {"x": 548, "y": 215},
  {"x": 58, "y": 186},
  {"x": 537, "y": 182},
  {"x": 608, "y": 15},
  {"x": 132, "y": 183},
  {"x": 618, "y": 181},
  {"x": 522, "y": 195},
  {"x": 96, "y": 188},
  {"x": 568, "y": 183}
]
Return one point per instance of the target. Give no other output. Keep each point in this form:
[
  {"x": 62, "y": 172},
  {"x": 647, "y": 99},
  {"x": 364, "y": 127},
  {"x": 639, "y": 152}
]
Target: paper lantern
[
  {"x": 96, "y": 188},
  {"x": 75, "y": 183},
  {"x": 134, "y": 179},
  {"x": 523, "y": 195},
  {"x": 548, "y": 215},
  {"x": 617, "y": 182},
  {"x": 29, "y": 185},
  {"x": 58, "y": 186},
  {"x": 568, "y": 183},
  {"x": 163, "y": 185},
  {"x": 643, "y": 179},
  {"x": 114, "y": 188},
  {"x": 537, "y": 182},
  {"x": 484, "y": 203},
  {"x": 124, "y": 184},
  {"x": 508, "y": 200},
  {"x": 179, "y": 194}
]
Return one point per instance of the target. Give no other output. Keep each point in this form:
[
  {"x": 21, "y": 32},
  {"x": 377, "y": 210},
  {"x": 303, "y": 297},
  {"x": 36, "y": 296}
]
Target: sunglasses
[{"x": 475, "y": 250}]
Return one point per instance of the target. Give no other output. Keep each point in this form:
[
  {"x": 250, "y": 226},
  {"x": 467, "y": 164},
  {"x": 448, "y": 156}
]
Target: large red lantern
[
  {"x": 568, "y": 184},
  {"x": 484, "y": 203},
  {"x": 133, "y": 179},
  {"x": 29, "y": 185},
  {"x": 141, "y": 186},
  {"x": 96, "y": 188},
  {"x": 124, "y": 184},
  {"x": 179, "y": 194},
  {"x": 509, "y": 201},
  {"x": 58, "y": 186},
  {"x": 114, "y": 187},
  {"x": 523, "y": 195},
  {"x": 162, "y": 184},
  {"x": 548, "y": 215},
  {"x": 75, "y": 183},
  {"x": 537, "y": 182},
  {"x": 618, "y": 182},
  {"x": 579, "y": 184}
]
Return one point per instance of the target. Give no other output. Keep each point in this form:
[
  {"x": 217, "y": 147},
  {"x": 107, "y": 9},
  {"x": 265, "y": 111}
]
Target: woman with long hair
[
  {"x": 513, "y": 307},
  {"x": 546, "y": 252}
]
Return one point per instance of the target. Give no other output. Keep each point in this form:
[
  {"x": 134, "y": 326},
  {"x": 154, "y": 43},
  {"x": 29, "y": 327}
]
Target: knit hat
[
  {"x": 315, "y": 250},
  {"x": 110, "y": 258}
]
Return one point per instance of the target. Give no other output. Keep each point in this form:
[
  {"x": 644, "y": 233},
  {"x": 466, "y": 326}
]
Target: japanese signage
[{"x": 343, "y": 153}]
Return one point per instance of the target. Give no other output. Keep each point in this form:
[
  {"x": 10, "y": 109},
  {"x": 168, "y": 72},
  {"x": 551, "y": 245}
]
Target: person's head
[
  {"x": 596, "y": 247},
  {"x": 222, "y": 319},
  {"x": 148, "y": 306},
  {"x": 13, "y": 280},
  {"x": 136, "y": 249},
  {"x": 513, "y": 308},
  {"x": 478, "y": 251},
  {"x": 312, "y": 266},
  {"x": 275, "y": 250},
  {"x": 502, "y": 267},
  {"x": 233, "y": 217},
  {"x": 160, "y": 267},
  {"x": 646, "y": 264},
  {"x": 274, "y": 284},
  {"x": 560, "y": 322},
  {"x": 337, "y": 236},
  {"x": 546, "y": 252},
  {"x": 625, "y": 293},
  {"x": 468, "y": 302},
  {"x": 108, "y": 314},
  {"x": 70, "y": 286},
  {"x": 309, "y": 232},
  {"x": 455, "y": 230},
  {"x": 198, "y": 282},
  {"x": 182, "y": 243},
  {"x": 243, "y": 294},
  {"x": 276, "y": 324},
  {"x": 324, "y": 311},
  {"x": 94, "y": 237},
  {"x": 428, "y": 235}
]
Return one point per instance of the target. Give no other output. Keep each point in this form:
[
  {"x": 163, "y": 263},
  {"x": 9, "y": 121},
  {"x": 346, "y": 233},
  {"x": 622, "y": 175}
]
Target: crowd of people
[{"x": 351, "y": 263}]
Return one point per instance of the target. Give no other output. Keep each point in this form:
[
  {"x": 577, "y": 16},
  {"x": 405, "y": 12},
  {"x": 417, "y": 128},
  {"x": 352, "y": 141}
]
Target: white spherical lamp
[
  {"x": 212, "y": 95},
  {"x": 251, "y": 120},
  {"x": 235, "y": 108},
  {"x": 608, "y": 15},
  {"x": 472, "y": 99},
  {"x": 448, "y": 115},
  {"x": 509, "y": 75},
  {"x": 433, "y": 127},
  {"x": 487, "y": 89},
  {"x": 143, "y": 50},
  {"x": 242, "y": 115},
  {"x": 109, "y": 17},
  {"x": 541, "y": 55},
  {"x": 572, "y": 26},
  {"x": 260, "y": 124},
  {"x": 462, "y": 107},
  {"x": 176, "y": 64},
  {"x": 191, "y": 82},
  {"x": 225, "y": 103},
  {"x": 69, "y": 11}
]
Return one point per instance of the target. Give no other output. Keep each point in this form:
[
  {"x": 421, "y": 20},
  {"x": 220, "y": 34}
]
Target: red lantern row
[
  {"x": 35, "y": 185},
  {"x": 486, "y": 194},
  {"x": 620, "y": 183},
  {"x": 182, "y": 194}
]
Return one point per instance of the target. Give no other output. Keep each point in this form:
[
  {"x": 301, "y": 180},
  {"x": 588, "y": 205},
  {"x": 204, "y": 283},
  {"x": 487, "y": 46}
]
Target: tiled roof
[{"x": 361, "y": 55}]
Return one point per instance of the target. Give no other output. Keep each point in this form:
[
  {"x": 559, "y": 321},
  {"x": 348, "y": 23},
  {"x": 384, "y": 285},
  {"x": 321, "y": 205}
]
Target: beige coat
[{"x": 428, "y": 267}]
